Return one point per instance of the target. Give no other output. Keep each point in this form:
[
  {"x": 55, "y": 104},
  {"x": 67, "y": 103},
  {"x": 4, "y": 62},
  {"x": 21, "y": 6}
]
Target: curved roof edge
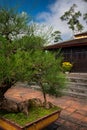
[{"x": 69, "y": 43}]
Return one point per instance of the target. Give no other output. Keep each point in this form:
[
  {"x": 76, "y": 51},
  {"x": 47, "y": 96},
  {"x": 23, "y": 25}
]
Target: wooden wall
[{"x": 77, "y": 56}]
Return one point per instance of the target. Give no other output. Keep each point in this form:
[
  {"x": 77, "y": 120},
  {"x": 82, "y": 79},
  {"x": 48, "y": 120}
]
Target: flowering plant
[{"x": 67, "y": 66}]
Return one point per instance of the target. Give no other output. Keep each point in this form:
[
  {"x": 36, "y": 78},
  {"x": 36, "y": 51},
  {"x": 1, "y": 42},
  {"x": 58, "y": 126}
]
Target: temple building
[{"x": 74, "y": 51}]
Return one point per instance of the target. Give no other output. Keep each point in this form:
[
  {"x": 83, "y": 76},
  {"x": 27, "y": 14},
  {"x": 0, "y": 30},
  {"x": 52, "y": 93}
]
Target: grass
[{"x": 34, "y": 114}]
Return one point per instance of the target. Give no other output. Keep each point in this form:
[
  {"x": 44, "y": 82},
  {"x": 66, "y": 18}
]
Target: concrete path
[{"x": 73, "y": 115}]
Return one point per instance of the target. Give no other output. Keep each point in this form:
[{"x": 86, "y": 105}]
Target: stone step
[
  {"x": 78, "y": 90},
  {"x": 75, "y": 94},
  {"x": 80, "y": 75},
  {"x": 77, "y": 79},
  {"x": 35, "y": 87},
  {"x": 77, "y": 85}
]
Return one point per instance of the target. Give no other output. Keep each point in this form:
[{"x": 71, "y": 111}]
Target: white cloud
[{"x": 56, "y": 10}]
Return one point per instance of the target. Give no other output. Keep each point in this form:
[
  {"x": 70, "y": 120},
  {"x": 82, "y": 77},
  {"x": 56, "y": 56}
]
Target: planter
[
  {"x": 67, "y": 72},
  {"x": 36, "y": 125}
]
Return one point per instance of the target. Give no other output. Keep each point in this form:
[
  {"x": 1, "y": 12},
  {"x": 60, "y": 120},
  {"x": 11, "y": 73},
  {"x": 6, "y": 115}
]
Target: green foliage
[
  {"x": 57, "y": 36},
  {"x": 47, "y": 72},
  {"x": 29, "y": 43},
  {"x": 85, "y": 0},
  {"x": 72, "y": 18},
  {"x": 40, "y": 30},
  {"x": 16, "y": 59},
  {"x": 85, "y": 17},
  {"x": 6, "y": 64},
  {"x": 25, "y": 60},
  {"x": 12, "y": 24},
  {"x": 34, "y": 114}
]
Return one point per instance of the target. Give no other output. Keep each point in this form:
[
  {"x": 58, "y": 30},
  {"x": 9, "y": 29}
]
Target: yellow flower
[{"x": 67, "y": 66}]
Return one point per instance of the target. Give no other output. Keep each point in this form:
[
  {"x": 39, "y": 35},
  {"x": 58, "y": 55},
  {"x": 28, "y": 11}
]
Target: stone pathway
[{"x": 74, "y": 111}]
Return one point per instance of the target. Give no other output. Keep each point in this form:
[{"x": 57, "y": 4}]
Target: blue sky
[
  {"x": 48, "y": 12},
  {"x": 32, "y": 7}
]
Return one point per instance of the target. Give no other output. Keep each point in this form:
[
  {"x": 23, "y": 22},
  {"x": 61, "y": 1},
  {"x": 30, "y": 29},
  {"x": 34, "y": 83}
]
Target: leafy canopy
[
  {"x": 72, "y": 18},
  {"x": 24, "y": 59},
  {"x": 12, "y": 23}
]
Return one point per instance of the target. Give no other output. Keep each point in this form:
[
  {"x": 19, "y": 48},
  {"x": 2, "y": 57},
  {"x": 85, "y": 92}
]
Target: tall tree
[
  {"x": 40, "y": 30},
  {"x": 72, "y": 18},
  {"x": 56, "y": 36},
  {"x": 85, "y": 0},
  {"x": 85, "y": 17}
]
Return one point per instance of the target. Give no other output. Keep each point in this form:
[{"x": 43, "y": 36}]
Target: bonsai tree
[
  {"x": 36, "y": 65},
  {"x": 46, "y": 72},
  {"x": 24, "y": 59},
  {"x": 33, "y": 64},
  {"x": 12, "y": 24},
  {"x": 15, "y": 61}
]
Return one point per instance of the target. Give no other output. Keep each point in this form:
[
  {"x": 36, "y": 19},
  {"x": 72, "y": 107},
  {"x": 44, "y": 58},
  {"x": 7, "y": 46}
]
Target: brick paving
[{"x": 74, "y": 111}]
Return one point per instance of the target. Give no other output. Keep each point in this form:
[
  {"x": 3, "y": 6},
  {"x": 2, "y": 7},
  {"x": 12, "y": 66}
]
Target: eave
[{"x": 69, "y": 43}]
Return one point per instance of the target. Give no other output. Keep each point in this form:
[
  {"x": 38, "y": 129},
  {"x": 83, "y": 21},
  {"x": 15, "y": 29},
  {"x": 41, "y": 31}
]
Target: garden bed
[{"x": 38, "y": 118}]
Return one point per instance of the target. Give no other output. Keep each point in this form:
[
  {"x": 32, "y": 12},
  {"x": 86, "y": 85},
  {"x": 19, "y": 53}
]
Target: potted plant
[
  {"x": 67, "y": 66},
  {"x": 25, "y": 60},
  {"x": 38, "y": 118},
  {"x": 44, "y": 70}
]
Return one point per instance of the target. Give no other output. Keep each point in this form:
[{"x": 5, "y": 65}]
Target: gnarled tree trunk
[{"x": 3, "y": 88}]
